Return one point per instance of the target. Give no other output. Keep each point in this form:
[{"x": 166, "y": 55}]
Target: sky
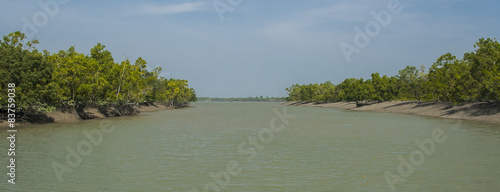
[{"x": 241, "y": 48}]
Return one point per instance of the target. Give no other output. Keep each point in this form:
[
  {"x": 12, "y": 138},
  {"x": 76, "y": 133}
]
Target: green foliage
[
  {"x": 22, "y": 64},
  {"x": 69, "y": 79},
  {"x": 476, "y": 77},
  {"x": 484, "y": 68}
]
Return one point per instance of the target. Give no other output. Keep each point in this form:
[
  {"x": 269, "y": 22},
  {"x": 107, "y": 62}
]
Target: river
[{"x": 256, "y": 147}]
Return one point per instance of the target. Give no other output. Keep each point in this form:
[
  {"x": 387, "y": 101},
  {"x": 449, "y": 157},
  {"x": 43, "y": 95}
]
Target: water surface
[{"x": 320, "y": 149}]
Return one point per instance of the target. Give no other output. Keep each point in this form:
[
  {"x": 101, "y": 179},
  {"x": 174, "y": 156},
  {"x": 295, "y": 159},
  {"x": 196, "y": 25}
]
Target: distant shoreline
[
  {"x": 72, "y": 115},
  {"x": 240, "y": 101},
  {"x": 479, "y": 111}
]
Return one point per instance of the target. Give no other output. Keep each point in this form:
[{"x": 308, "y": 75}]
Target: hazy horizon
[{"x": 258, "y": 47}]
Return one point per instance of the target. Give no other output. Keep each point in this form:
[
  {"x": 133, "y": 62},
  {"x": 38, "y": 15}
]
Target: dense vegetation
[
  {"x": 475, "y": 77},
  {"x": 247, "y": 99},
  {"x": 45, "y": 81}
]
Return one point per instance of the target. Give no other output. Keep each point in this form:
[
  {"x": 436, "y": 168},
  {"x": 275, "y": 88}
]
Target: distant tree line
[
  {"x": 475, "y": 77},
  {"x": 45, "y": 81},
  {"x": 247, "y": 99}
]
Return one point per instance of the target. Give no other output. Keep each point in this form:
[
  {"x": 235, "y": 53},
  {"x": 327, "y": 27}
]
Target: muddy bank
[
  {"x": 77, "y": 114},
  {"x": 480, "y": 111}
]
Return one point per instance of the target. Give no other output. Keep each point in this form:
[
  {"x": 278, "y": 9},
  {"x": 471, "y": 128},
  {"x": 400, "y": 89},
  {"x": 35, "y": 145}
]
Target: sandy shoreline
[
  {"x": 71, "y": 115},
  {"x": 481, "y": 111}
]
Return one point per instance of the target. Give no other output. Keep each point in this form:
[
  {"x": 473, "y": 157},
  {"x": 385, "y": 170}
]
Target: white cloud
[{"x": 171, "y": 9}]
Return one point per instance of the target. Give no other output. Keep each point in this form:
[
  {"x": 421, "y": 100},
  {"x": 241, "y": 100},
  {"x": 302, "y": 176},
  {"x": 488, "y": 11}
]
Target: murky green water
[{"x": 234, "y": 147}]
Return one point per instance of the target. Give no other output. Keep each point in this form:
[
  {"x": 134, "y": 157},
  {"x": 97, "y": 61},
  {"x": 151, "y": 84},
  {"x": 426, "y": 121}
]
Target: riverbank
[
  {"x": 74, "y": 115},
  {"x": 480, "y": 111}
]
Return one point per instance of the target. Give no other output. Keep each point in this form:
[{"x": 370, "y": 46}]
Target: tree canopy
[
  {"x": 45, "y": 81},
  {"x": 475, "y": 77}
]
